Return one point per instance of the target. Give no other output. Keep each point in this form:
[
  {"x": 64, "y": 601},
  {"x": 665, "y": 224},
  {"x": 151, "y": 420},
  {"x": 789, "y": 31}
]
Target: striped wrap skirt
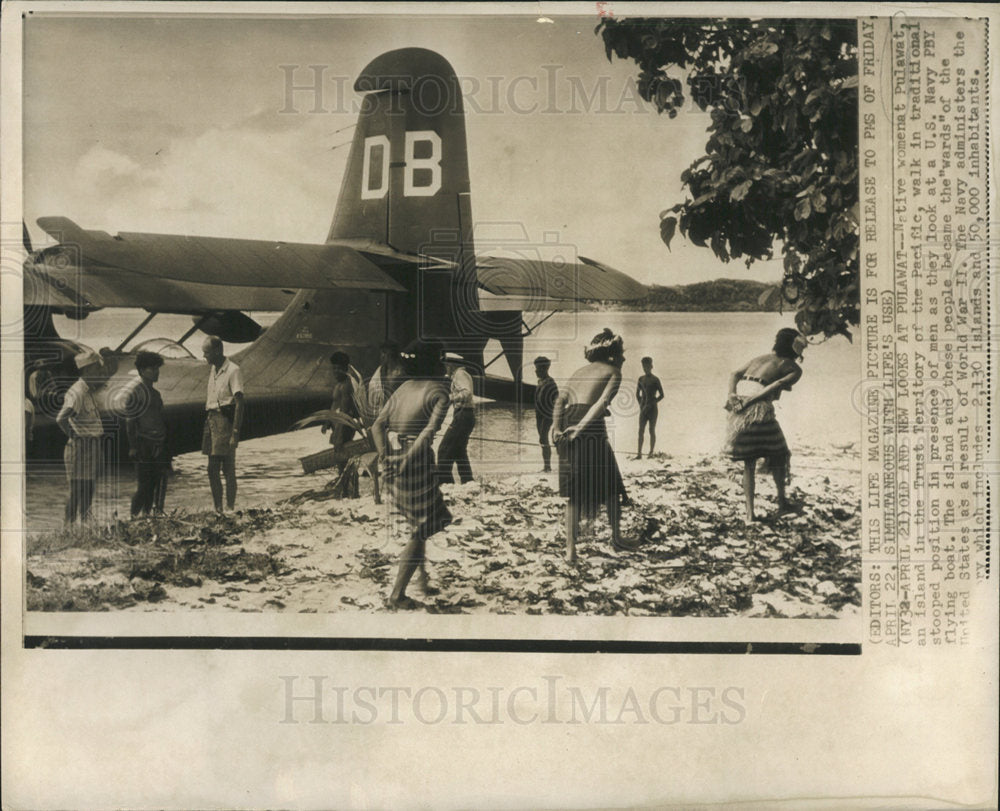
[
  {"x": 414, "y": 496},
  {"x": 754, "y": 433}
]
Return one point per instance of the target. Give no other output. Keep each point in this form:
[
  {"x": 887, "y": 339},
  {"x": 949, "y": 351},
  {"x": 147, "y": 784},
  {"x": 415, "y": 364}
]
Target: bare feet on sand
[
  {"x": 625, "y": 544},
  {"x": 403, "y": 603},
  {"x": 786, "y": 507},
  {"x": 424, "y": 585}
]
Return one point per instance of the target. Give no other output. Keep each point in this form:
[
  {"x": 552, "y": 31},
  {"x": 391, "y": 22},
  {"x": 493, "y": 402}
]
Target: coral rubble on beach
[{"x": 504, "y": 553}]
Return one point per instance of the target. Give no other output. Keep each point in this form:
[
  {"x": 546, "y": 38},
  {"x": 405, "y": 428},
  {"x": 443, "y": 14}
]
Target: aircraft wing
[
  {"x": 55, "y": 281},
  {"x": 538, "y": 284},
  {"x": 171, "y": 273}
]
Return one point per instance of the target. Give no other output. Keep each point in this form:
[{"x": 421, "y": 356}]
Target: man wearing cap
[
  {"x": 80, "y": 419},
  {"x": 223, "y": 417},
  {"x": 454, "y": 447},
  {"x": 545, "y": 398},
  {"x": 147, "y": 435}
]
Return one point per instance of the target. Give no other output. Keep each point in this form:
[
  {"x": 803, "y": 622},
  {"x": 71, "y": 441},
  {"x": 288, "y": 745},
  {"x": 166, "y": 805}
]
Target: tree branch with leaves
[{"x": 781, "y": 160}]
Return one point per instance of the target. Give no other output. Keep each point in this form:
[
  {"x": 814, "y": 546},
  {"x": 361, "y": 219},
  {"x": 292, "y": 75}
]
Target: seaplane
[{"x": 398, "y": 262}]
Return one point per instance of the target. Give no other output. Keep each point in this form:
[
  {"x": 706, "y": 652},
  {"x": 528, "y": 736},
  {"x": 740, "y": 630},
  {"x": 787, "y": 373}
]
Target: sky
[{"x": 186, "y": 125}]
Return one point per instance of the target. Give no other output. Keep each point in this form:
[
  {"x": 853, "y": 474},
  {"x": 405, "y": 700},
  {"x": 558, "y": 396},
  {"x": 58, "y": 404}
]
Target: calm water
[{"x": 693, "y": 355}]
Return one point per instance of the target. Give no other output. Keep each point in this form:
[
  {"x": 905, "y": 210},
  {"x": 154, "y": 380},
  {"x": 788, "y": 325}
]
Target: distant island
[{"x": 720, "y": 295}]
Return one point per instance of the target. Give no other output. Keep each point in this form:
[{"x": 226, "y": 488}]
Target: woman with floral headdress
[
  {"x": 588, "y": 472},
  {"x": 753, "y": 431}
]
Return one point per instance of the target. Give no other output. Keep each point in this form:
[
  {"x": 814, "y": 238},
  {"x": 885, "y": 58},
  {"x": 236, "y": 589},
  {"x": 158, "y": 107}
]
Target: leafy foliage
[
  {"x": 503, "y": 554},
  {"x": 133, "y": 563},
  {"x": 780, "y": 163}
]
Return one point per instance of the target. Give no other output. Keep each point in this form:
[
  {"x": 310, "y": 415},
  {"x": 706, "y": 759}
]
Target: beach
[
  {"x": 292, "y": 547},
  {"x": 503, "y": 554}
]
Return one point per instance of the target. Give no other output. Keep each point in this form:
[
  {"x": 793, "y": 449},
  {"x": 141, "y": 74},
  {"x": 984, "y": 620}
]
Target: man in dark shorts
[
  {"x": 545, "y": 398},
  {"x": 648, "y": 392},
  {"x": 147, "y": 435}
]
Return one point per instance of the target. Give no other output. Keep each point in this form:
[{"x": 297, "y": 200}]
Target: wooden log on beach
[{"x": 334, "y": 456}]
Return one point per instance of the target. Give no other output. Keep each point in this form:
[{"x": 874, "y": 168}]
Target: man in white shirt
[
  {"x": 454, "y": 447},
  {"x": 80, "y": 419},
  {"x": 223, "y": 418}
]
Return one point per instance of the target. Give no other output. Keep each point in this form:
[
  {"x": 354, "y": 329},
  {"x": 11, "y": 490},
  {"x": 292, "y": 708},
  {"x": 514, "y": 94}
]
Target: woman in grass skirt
[
  {"x": 753, "y": 432},
  {"x": 414, "y": 413},
  {"x": 588, "y": 471}
]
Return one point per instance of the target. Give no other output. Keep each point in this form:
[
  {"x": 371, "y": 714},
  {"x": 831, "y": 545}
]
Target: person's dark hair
[
  {"x": 784, "y": 343},
  {"x": 646, "y": 360},
  {"x": 340, "y": 359},
  {"x": 422, "y": 358},
  {"x": 146, "y": 360},
  {"x": 542, "y": 362},
  {"x": 605, "y": 347}
]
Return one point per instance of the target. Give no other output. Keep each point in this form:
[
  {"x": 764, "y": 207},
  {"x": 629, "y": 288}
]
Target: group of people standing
[
  {"x": 648, "y": 393},
  {"x": 408, "y": 398},
  {"x": 146, "y": 431},
  {"x": 392, "y": 371},
  {"x": 571, "y": 415}
]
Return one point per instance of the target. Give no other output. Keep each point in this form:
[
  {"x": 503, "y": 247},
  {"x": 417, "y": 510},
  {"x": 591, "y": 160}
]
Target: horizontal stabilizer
[
  {"x": 537, "y": 281},
  {"x": 383, "y": 254}
]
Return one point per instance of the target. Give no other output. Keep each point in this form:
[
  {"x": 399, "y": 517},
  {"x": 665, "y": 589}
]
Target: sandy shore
[{"x": 503, "y": 554}]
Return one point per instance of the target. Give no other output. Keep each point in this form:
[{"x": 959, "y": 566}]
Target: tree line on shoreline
[{"x": 720, "y": 295}]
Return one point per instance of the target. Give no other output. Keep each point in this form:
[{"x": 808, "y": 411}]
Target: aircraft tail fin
[
  {"x": 407, "y": 178},
  {"x": 407, "y": 187}
]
